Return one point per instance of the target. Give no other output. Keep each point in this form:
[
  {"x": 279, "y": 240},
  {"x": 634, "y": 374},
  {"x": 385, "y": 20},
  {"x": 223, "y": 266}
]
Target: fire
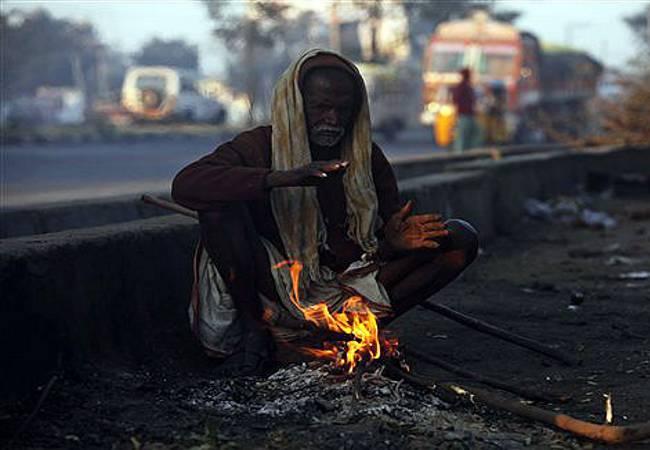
[{"x": 355, "y": 321}]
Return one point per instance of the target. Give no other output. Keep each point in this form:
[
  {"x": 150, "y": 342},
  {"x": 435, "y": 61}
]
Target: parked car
[{"x": 157, "y": 93}]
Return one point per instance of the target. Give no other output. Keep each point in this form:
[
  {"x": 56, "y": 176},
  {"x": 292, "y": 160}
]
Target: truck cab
[{"x": 494, "y": 52}]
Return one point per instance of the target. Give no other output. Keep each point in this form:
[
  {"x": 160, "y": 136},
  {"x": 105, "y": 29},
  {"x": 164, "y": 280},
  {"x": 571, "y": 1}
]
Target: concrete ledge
[
  {"x": 466, "y": 195},
  {"x": 53, "y": 218},
  {"x": 520, "y": 177},
  {"x": 118, "y": 291},
  {"x": 415, "y": 166},
  {"x": 546, "y": 175}
]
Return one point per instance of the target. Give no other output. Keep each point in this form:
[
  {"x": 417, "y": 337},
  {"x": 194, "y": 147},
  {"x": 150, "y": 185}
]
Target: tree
[
  {"x": 38, "y": 49},
  {"x": 509, "y": 16},
  {"x": 625, "y": 117},
  {"x": 374, "y": 11},
  {"x": 263, "y": 37},
  {"x": 639, "y": 24},
  {"x": 177, "y": 53}
]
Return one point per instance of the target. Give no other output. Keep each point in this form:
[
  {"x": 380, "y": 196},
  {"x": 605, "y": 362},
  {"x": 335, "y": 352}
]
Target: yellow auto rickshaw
[{"x": 444, "y": 125}]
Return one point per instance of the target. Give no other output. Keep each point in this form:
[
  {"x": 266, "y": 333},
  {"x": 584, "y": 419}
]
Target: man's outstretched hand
[
  {"x": 405, "y": 232},
  {"x": 311, "y": 174}
]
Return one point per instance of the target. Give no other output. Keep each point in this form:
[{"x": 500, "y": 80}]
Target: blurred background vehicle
[
  {"x": 544, "y": 90},
  {"x": 155, "y": 93},
  {"x": 388, "y": 87}
]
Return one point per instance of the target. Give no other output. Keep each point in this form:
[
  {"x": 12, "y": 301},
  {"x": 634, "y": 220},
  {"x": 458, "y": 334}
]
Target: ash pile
[{"x": 308, "y": 401}]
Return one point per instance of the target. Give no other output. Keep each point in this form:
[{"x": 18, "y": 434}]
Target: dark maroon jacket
[
  {"x": 463, "y": 96},
  {"x": 235, "y": 172}
]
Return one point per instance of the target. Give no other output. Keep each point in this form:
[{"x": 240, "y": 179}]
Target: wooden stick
[
  {"x": 493, "y": 330},
  {"x": 171, "y": 206},
  {"x": 609, "y": 434},
  {"x": 524, "y": 393},
  {"x": 37, "y": 408},
  {"x": 440, "y": 390},
  {"x": 362, "y": 366}
]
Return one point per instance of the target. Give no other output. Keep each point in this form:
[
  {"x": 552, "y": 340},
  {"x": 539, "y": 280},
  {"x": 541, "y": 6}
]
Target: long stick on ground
[
  {"x": 524, "y": 393},
  {"x": 609, "y": 434},
  {"x": 499, "y": 332}
]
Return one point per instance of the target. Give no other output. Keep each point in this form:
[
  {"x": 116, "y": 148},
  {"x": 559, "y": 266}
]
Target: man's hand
[
  {"x": 405, "y": 232},
  {"x": 311, "y": 174}
]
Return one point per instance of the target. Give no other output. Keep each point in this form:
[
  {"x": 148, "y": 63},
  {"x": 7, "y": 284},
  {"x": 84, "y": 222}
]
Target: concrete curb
[
  {"x": 466, "y": 195},
  {"x": 53, "y": 218},
  {"x": 112, "y": 292}
]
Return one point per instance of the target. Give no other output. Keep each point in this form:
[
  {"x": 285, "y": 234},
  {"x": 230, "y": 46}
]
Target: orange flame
[{"x": 355, "y": 320}]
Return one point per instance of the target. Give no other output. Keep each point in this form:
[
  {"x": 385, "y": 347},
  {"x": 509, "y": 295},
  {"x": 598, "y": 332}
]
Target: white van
[{"x": 166, "y": 93}]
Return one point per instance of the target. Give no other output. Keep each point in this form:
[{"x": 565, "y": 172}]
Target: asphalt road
[{"x": 32, "y": 174}]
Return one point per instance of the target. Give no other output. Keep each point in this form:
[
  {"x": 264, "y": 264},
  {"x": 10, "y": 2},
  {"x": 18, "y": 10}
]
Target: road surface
[{"x": 34, "y": 174}]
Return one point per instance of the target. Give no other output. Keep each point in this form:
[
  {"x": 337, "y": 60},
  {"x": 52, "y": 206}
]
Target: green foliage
[
  {"x": 262, "y": 39},
  {"x": 638, "y": 23},
  {"x": 38, "y": 49},
  {"x": 259, "y": 24},
  {"x": 177, "y": 53}
]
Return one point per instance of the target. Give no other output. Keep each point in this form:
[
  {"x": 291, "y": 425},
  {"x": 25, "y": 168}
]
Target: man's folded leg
[{"x": 234, "y": 246}]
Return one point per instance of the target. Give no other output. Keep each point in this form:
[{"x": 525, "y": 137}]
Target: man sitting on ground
[{"x": 314, "y": 188}]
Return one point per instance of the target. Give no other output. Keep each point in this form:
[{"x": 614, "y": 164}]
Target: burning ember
[
  {"x": 355, "y": 321},
  {"x": 609, "y": 415}
]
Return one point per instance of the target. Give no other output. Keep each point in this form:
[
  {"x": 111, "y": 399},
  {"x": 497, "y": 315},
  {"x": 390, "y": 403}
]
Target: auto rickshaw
[{"x": 444, "y": 124}]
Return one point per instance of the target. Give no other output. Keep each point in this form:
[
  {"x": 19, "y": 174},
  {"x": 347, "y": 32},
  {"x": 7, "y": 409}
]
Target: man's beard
[{"x": 325, "y": 135}]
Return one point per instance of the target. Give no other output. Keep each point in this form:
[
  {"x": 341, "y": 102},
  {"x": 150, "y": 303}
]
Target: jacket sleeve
[
  {"x": 235, "y": 171},
  {"x": 385, "y": 184}
]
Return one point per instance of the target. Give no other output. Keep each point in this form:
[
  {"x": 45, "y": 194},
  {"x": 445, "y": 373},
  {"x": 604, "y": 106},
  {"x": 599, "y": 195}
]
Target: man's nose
[{"x": 331, "y": 117}]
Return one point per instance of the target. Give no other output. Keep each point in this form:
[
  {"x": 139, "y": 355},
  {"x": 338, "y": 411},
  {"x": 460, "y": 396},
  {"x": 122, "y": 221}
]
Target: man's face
[{"x": 329, "y": 99}]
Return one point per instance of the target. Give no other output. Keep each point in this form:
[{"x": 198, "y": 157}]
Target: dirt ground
[{"x": 567, "y": 286}]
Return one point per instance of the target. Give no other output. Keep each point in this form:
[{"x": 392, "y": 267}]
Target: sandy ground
[{"x": 524, "y": 283}]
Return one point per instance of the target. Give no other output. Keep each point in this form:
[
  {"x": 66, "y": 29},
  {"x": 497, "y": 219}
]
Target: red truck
[{"x": 545, "y": 92}]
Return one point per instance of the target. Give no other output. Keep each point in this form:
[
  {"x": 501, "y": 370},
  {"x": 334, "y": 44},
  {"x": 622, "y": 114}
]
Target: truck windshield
[
  {"x": 498, "y": 65},
  {"x": 495, "y": 61},
  {"x": 447, "y": 61},
  {"x": 150, "y": 82}
]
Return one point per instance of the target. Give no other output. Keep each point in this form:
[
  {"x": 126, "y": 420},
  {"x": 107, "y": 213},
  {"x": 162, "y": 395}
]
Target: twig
[
  {"x": 522, "y": 392},
  {"x": 358, "y": 378},
  {"x": 609, "y": 434},
  {"x": 37, "y": 408},
  {"x": 493, "y": 330},
  {"x": 171, "y": 206}
]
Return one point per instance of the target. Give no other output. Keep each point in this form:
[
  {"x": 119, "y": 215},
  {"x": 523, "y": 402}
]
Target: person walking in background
[{"x": 467, "y": 131}]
